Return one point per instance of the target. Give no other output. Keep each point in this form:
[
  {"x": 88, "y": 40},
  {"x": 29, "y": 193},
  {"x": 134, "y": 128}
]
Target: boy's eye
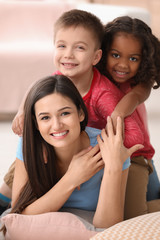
[
  {"x": 80, "y": 47},
  {"x": 61, "y": 46}
]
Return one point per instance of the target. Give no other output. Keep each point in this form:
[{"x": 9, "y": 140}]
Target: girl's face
[
  {"x": 124, "y": 57},
  {"x": 58, "y": 120}
]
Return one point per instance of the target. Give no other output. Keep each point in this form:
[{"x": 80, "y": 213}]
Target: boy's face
[
  {"x": 75, "y": 52},
  {"x": 124, "y": 57}
]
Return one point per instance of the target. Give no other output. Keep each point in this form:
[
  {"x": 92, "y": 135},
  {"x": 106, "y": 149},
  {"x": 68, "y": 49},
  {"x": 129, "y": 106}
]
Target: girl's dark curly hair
[{"x": 149, "y": 70}]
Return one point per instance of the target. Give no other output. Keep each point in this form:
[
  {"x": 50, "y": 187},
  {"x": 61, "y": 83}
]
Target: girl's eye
[
  {"x": 133, "y": 59},
  {"x": 115, "y": 55}
]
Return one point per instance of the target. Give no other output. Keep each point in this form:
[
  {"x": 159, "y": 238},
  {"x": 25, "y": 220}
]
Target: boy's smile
[
  {"x": 75, "y": 52},
  {"x": 124, "y": 57}
]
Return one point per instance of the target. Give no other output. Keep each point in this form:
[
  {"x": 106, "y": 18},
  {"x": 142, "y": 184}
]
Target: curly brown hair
[{"x": 149, "y": 70}]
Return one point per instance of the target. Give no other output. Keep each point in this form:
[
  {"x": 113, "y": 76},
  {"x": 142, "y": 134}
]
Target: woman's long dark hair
[
  {"x": 149, "y": 70},
  {"x": 42, "y": 176}
]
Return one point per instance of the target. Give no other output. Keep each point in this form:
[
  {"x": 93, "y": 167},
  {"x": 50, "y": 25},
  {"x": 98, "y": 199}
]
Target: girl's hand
[
  {"x": 113, "y": 152},
  {"x": 84, "y": 165}
]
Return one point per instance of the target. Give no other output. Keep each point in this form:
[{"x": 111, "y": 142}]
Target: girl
[
  {"x": 131, "y": 59},
  {"x": 55, "y": 124}
]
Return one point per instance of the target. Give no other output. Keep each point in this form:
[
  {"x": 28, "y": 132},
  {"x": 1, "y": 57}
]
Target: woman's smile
[{"x": 60, "y": 135}]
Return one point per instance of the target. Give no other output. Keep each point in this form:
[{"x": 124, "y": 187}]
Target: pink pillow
[{"x": 50, "y": 226}]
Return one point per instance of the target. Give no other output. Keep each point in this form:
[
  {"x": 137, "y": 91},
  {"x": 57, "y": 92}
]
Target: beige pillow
[
  {"x": 47, "y": 226},
  {"x": 145, "y": 227}
]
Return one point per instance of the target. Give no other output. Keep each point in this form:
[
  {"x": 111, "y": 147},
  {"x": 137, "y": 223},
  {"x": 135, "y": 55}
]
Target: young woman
[{"x": 65, "y": 163}]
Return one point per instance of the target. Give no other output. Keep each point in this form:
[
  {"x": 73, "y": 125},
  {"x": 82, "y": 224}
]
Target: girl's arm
[
  {"x": 110, "y": 207},
  {"x": 82, "y": 167},
  {"x": 130, "y": 101},
  {"x": 105, "y": 106}
]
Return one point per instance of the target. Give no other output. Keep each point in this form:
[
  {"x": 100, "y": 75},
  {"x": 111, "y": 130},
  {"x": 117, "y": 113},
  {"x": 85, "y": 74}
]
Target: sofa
[{"x": 26, "y": 41}]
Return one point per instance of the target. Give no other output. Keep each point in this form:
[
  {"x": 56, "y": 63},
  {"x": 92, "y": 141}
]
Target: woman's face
[
  {"x": 124, "y": 57},
  {"x": 58, "y": 120}
]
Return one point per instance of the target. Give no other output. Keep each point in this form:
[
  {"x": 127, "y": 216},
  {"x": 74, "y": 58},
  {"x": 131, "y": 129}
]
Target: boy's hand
[{"x": 17, "y": 123}]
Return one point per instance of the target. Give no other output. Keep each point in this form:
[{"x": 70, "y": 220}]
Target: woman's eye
[
  {"x": 45, "y": 118},
  {"x": 65, "y": 113}
]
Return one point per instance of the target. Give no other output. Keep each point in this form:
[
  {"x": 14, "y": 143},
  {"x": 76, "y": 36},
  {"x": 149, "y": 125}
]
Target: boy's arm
[
  {"x": 17, "y": 123},
  {"x": 131, "y": 100}
]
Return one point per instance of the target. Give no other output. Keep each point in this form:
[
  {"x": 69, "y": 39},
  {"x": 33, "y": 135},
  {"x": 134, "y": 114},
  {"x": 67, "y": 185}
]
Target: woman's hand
[
  {"x": 110, "y": 207},
  {"x": 113, "y": 152},
  {"x": 85, "y": 164},
  {"x": 114, "y": 117}
]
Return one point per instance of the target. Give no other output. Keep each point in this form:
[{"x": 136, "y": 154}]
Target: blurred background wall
[{"x": 153, "y": 6}]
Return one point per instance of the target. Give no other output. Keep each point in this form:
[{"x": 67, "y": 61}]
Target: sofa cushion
[
  {"x": 50, "y": 226},
  {"x": 139, "y": 228}
]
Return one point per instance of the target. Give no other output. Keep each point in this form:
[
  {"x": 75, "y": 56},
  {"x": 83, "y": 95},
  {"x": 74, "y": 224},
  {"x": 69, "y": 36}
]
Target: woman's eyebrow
[
  {"x": 64, "y": 108},
  {"x": 59, "y": 110}
]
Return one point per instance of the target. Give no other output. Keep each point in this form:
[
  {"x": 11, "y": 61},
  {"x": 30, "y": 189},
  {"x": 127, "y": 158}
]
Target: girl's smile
[{"x": 124, "y": 57}]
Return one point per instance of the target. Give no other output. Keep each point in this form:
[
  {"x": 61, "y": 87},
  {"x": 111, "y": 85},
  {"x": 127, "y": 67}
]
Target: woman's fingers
[
  {"x": 110, "y": 131},
  {"x": 109, "y": 126},
  {"x": 89, "y": 156},
  {"x": 84, "y": 151},
  {"x": 135, "y": 148},
  {"x": 90, "y": 151},
  {"x": 119, "y": 128},
  {"x": 93, "y": 152}
]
